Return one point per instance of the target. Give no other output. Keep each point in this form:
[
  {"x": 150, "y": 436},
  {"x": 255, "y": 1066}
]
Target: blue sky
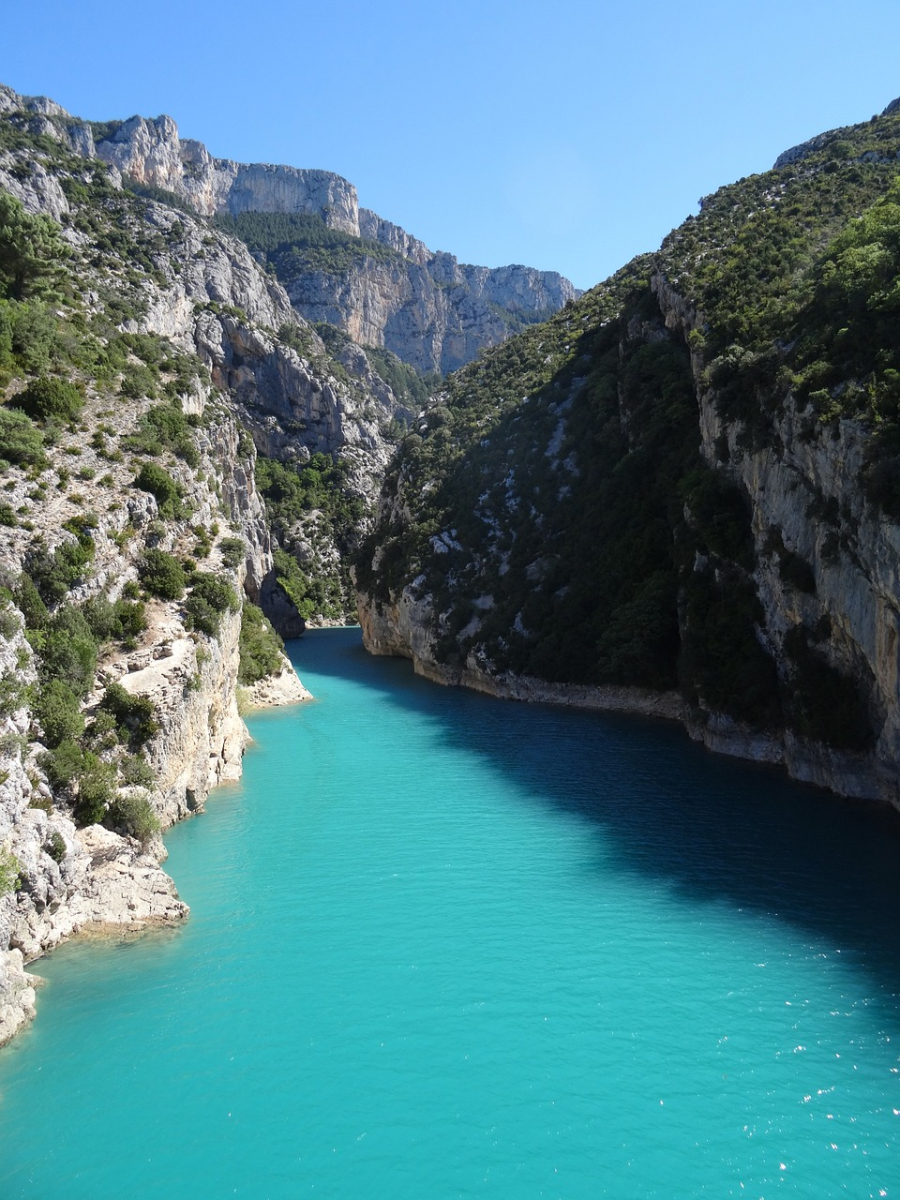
[{"x": 568, "y": 136}]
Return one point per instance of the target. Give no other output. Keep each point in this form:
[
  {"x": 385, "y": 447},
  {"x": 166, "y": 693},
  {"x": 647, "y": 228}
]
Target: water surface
[{"x": 447, "y": 946}]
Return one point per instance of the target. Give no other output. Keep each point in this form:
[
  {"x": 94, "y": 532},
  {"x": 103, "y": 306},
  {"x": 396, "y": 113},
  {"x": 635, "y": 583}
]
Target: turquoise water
[{"x": 443, "y": 946}]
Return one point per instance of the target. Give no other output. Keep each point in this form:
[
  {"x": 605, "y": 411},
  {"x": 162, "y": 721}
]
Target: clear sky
[{"x": 567, "y": 135}]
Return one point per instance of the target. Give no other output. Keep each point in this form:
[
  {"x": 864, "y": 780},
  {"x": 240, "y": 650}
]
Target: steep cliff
[
  {"x": 135, "y": 343},
  {"x": 373, "y": 280},
  {"x": 167, "y": 271},
  {"x": 680, "y": 493}
]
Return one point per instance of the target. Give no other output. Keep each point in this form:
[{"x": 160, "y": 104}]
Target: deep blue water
[{"x": 445, "y": 946}]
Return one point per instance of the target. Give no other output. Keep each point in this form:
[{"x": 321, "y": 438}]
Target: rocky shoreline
[
  {"x": 109, "y": 885},
  {"x": 401, "y": 630}
]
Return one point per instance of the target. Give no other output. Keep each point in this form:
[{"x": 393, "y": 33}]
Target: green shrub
[
  {"x": 118, "y": 620},
  {"x": 159, "y": 483},
  {"x": 10, "y": 872},
  {"x": 56, "y": 847},
  {"x": 131, "y": 618},
  {"x": 310, "y": 594},
  {"x": 134, "y": 715},
  {"x": 20, "y": 441},
  {"x": 31, "y": 250},
  {"x": 133, "y": 814},
  {"x": 64, "y": 764},
  {"x": 69, "y": 650},
  {"x": 233, "y": 551},
  {"x": 135, "y": 771},
  {"x": 12, "y": 694},
  {"x": 30, "y": 340},
  {"x": 162, "y": 575},
  {"x": 138, "y": 380},
  {"x": 96, "y": 792},
  {"x": 57, "y": 711},
  {"x": 164, "y": 427},
  {"x": 260, "y": 646},
  {"x": 103, "y": 732},
  {"x": 12, "y": 744},
  {"x": 210, "y": 598},
  {"x": 9, "y": 622},
  {"x": 48, "y": 398},
  {"x": 55, "y": 573},
  {"x": 28, "y": 599}
]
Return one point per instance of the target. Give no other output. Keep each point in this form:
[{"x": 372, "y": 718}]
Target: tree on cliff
[{"x": 31, "y": 251}]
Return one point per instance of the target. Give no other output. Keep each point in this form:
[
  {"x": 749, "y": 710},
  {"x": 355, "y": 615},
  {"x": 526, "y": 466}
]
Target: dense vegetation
[
  {"x": 570, "y": 561},
  {"x": 261, "y": 648},
  {"x": 303, "y": 502},
  {"x": 295, "y": 243},
  {"x": 552, "y": 502}
]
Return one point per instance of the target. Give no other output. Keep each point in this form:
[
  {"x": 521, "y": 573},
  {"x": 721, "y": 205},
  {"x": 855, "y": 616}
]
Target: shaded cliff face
[
  {"x": 697, "y": 494},
  {"x": 425, "y": 307}
]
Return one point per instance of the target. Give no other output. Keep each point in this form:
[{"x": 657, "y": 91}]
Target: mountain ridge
[{"x": 424, "y": 306}]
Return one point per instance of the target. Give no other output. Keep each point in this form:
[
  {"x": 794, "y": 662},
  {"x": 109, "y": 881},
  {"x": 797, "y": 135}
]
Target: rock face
[
  {"x": 218, "y": 303},
  {"x": 790, "y": 482},
  {"x": 92, "y": 879},
  {"x": 427, "y": 308},
  {"x": 432, "y": 311},
  {"x": 665, "y": 400},
  {"x": 151, "y": 152},
  {"x": 856, "y": 592},
  {"x": 204, "y": 293}
]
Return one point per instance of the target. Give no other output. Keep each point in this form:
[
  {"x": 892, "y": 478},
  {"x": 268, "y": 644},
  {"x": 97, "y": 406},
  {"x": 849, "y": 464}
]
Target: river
[{"x": 448, "y": 946}]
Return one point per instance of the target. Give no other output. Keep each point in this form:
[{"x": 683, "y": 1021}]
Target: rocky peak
[{"x": 152, "y": 152}]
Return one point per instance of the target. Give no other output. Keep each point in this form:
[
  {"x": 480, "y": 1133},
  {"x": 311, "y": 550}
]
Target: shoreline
[
  {"x": 854, "y": 776},
  {"x": 117, "y": 886}
]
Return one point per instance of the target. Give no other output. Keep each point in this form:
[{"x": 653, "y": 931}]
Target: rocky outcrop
[
  {"x": 802, "y": 151},
  {"x": 404, "y": 629},
  {"x": 805, "y": 472},
  {"x": 150, "y": 151},
  {"x": 275, "y": 690},
  {"x": 425, "y": 307},
  {"x": 432, "y": 311},
  {"x": 71, "y": 880},
  {"x": 208, "y": 296}
]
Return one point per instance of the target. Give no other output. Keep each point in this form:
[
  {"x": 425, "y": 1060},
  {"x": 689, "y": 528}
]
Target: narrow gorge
[{"x": 236, "y": 403}]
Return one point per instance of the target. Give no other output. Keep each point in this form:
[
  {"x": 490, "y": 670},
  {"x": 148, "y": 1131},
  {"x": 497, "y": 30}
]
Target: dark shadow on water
[{"x": 709, "y": 827}]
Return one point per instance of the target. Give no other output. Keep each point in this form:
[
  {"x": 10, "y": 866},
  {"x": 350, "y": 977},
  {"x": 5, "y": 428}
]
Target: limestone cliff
[
  {"x": 427, "y": 308},
  {"x": 209, "y": 296},
  {"x": 164, "y": 334},
  {"x": 73, "y": 879},
  {"x": 691, "y": 504},
  {"x": 431, "y": 311}
]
